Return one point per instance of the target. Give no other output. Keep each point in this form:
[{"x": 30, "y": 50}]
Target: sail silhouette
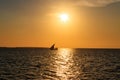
[{"x": 53, "y": 47}]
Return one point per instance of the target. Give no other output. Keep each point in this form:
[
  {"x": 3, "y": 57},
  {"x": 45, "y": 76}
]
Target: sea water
[{"x": 61, "y": 64}]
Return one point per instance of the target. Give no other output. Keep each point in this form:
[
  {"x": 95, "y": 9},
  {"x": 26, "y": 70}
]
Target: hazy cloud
[{"x": 94, "y": 3}]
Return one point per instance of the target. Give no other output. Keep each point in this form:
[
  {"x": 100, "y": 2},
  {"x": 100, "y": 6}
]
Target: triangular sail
[{"x": 52, "y": 47}]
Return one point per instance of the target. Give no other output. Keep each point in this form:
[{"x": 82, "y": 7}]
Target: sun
[{"x": 64, "y": 17}]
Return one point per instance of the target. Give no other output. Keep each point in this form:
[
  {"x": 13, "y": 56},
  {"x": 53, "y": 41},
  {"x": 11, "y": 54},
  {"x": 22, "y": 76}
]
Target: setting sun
[{"x": 64, "y": 17}]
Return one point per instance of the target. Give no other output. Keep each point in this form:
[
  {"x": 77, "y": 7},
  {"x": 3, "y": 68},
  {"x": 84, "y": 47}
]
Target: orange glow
[{"x": 66, "y": 25}]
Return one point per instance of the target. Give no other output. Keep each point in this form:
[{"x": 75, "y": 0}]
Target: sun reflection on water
[{"x": 64, "y": 62}]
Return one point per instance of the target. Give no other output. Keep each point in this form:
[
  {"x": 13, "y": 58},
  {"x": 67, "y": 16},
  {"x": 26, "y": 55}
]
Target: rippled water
[{"x": 61, "y": 64}]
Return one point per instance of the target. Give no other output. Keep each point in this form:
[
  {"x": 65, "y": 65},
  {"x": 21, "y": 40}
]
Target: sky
[{"x": 35, "y": 23}]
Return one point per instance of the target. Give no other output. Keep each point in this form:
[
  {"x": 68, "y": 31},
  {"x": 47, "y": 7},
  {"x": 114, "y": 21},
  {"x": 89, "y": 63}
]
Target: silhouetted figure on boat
[{"x": 53, "y": 47}]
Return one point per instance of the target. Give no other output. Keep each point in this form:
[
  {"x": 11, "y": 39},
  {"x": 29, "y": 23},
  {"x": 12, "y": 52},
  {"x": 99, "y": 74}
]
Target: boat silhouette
[{"x": 53, "y": 47}]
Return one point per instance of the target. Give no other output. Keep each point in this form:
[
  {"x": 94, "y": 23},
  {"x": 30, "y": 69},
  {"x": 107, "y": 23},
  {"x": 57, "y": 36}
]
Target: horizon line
[{"x": 69, "y": 47}]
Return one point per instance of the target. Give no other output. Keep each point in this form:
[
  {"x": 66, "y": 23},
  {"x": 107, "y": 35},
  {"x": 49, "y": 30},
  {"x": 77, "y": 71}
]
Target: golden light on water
[{"x": 64, "y": 62}]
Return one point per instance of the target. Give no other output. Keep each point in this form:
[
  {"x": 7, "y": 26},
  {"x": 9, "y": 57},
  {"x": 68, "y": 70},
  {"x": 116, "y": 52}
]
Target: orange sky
[{"x": 36, "y": 24}]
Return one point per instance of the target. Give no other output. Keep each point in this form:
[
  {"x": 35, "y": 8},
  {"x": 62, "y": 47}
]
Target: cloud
[{"x": 94, "y": 3}]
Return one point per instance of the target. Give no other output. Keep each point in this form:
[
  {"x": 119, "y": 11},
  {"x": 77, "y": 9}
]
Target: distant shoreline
[{"x": 59, "y": 48}]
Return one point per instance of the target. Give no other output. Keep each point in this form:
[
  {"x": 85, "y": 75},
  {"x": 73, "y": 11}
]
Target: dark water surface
[{"x": 61, "y": 64}]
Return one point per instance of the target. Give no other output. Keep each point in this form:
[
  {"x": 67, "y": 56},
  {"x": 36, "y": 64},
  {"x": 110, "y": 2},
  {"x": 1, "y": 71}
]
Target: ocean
[{"x": 61, "y": 64}]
